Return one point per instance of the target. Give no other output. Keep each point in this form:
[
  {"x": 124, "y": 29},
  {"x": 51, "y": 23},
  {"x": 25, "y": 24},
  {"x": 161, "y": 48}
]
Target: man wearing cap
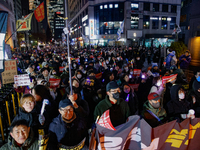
[
  {"x": 45, "y": 73},
  {"x": 119, "y": 109},
  {"x": 67, "y": 129},
  {"x": 152, "y": 112}
]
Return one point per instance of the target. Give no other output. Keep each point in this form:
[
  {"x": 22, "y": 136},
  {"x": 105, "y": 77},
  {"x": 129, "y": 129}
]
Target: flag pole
[{"x": 68, "y": 51}]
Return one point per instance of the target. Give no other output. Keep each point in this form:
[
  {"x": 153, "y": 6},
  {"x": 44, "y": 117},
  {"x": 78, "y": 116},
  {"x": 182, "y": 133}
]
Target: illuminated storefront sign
[
  {"x": 91, "y": 28},
  {"x": 85, "y": 18}
]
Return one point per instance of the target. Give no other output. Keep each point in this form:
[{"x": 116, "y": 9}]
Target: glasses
[{"x": 67, "y": 110}]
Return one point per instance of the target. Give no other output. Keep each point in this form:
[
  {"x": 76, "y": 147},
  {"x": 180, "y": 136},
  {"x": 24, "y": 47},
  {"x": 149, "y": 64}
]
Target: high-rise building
[
  {"x": 145, "y": 22},
  {"x": 56, "y": 9},
  {"x": 7, "y": 5},
  {"x": 17, "y": 9},
  {"x": 190, "y": 25}
]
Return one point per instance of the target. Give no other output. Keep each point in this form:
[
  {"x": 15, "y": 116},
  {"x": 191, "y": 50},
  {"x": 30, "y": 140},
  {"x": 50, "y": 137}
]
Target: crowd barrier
[{"x": 9, "y": 106}]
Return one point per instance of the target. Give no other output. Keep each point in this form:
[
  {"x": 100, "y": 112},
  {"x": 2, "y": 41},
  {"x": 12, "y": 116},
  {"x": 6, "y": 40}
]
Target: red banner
[
  {"x": 137, "y": 72},
  {"x": 39, "y": 12},
  {"x": 105, "y": 122},
  {"x": 54, "y": 83},
  {"x": 99, "y": 75},
  {"x": 61, "y": 69},
  {"x": 166, "y": 79}
]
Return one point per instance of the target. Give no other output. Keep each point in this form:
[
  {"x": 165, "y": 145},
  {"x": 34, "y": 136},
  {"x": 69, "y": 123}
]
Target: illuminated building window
[{"x": 116, "y": 5}]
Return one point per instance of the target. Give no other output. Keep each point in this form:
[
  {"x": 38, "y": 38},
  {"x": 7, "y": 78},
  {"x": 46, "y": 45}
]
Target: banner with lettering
[
  {"x": 166, "y": 79},
  {"x": 22, "y": 80},
  {"x": 137, "y": 72},
  {"x": 24, "y": 24},
  {"x": 39, "y": 12},
  {"x": 54, "y": 83},
  {"x": 61, "y": 69},
  {"x": 9, "y": 72},
  {"x": 136, "y": 134}
]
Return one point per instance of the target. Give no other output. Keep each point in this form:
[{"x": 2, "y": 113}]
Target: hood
[{"x": 174, "y": 92}]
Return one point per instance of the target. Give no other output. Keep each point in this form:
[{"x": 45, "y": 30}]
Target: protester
[
  {"x": 178, "y": 106},
  {"x": 185, "y": 60},
  {"x": 21, "y": 137},
  {"x": 67, "y": 129},
  {"x": 119, "y": 109},
  {"x": 152, "y": 112}
]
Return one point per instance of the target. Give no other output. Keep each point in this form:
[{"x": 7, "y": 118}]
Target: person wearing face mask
[
  {"x": 130, "y": 97},
  {"x": 152, "y": 112},
  {"x": 119, "y": 109},
  {"x": 178, "y": 104}
]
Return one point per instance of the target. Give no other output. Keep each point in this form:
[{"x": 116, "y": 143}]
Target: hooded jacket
[
  {"x": 151, "y": 119},
  {"x": 30, "y": 144},
  {"x": 175, "y": 107},
  {"x": 121, "y": 105}
]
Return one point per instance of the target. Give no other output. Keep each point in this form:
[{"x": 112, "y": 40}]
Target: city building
[
  {"x": 7, "y": 5},
  {"x": 146, "y": 22},
  {"x": 191, "y": 23},
  {"x": 17, "y": 9},
  {"x": 56, "y": 8}
]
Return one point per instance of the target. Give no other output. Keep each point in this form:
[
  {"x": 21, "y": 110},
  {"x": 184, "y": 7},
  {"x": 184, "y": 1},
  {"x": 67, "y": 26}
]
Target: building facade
[
  {"x": 146, "y": 22},
  {"x": 7, "y": 5}
]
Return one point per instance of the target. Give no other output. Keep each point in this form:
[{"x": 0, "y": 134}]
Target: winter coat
[
  {"x": 169, "y": 59},
  {"x": 175, "y": 107},
  {"x": 151, "y": 119},
  {"x": 184, "y": 64},
  {"x": 195, "y": 87},
  {"x": 121, "y": 105},
  {"x": 30, "y": 144},
  {"x": 68, "y": 134}
]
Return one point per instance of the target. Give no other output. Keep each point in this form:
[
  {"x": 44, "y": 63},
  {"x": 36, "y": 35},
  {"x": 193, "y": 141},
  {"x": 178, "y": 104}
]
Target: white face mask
[
  {"x": 79, "y": 76},
  {"x": 131, "y": 72},
  {"x": 181, "y": 96},
  {"x": 107, "y": 62}
]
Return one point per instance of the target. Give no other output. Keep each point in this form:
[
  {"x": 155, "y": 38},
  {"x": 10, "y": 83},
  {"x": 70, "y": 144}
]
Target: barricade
[{"x": 9, "y": 106}]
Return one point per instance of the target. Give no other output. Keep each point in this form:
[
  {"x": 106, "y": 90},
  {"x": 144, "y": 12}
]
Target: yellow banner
[{"x": 24, "y": 24}]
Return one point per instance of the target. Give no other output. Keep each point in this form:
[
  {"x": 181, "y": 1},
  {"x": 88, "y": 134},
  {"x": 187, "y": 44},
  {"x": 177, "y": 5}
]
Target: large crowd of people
[{"x": 102, "y": 79}]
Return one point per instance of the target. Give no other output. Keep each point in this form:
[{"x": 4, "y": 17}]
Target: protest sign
[
  {"x": 166, "y": 79},
  {"x": 54, "y": 83},
  {"x": 22, "y": 80},
  {"x": 9, "y": 71},
  {"x": 99, "y": 75},
  {"x": 61, "y": 69},
  {"x": 136, "y": 72}
]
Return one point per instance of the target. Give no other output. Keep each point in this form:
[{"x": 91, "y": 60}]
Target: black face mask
[{"x": 116, "y": 96}]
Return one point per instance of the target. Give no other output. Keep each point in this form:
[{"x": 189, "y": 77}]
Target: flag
[
  {"x": 176, "y": 30},
  {"x": 120, "y": 30},
  {"x": 166, "y": 79},
  {"x": 25, "y": 23},
  {"x": 39, "y": 12}
]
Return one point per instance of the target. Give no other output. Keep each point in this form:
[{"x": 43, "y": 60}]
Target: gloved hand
[{"x": 41, "y": 119}]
